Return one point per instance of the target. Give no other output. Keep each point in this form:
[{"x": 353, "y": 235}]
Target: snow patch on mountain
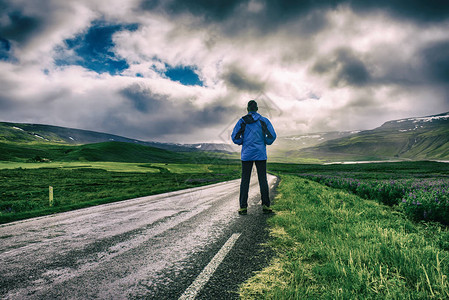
[
  {"x": 425, "y": 119},
  {"x": 297, "y": 138},
  {"x": 38, "y": 136}
]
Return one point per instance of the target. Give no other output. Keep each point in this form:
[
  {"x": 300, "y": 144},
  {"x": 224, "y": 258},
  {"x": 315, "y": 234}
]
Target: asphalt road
[{"x": 155, "y": 247}]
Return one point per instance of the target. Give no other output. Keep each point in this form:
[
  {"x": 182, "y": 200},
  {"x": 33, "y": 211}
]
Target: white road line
[{"x": 205, "y": 275}]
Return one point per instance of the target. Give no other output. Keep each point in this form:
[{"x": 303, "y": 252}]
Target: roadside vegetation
[
  {"x": 24, "y": 187},
  {"x": 92, "y": 174},
  {"x": 333, "y": 244},
  {"x": 419, "y": 189}
]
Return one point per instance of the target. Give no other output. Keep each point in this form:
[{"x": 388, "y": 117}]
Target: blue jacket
[{"x": 253, "y": 132}]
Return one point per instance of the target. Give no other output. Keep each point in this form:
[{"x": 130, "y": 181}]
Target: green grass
[
  {"x": 419, "y": 189},
  {"x": 24, "y": 191},
  {"x": 107, "y": 151},
  {"x": 92, "y": 174},
  {"x": 367, "y": 170},
  {"x": 334, "y": 245},
  {"x": 113, "y": 166}
]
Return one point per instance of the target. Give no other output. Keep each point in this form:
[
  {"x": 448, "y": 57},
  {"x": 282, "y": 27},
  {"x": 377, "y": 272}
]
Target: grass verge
[
  {"x": 24, "y": 193},
  {"x": 334, "y": 245},
  {"x": 112, "y": 166}
]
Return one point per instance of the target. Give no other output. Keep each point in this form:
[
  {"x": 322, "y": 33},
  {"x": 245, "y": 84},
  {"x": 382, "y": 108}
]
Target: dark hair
[{"x": 252, "y": 105}]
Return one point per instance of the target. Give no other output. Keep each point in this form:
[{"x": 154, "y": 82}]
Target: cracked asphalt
[{"x": 146, "y": 248}]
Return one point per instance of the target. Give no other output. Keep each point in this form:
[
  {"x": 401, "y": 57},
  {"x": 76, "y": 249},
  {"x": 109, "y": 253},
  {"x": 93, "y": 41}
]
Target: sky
[{"x": 183, "y": 70}]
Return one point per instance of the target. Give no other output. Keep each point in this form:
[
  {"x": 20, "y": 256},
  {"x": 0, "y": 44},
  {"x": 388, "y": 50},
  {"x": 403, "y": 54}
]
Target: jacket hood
[{"x": 251, "y": 117}]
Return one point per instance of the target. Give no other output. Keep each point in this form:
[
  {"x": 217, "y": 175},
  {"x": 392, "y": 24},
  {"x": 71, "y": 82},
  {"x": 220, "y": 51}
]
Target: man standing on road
[{"x": 253, "y": 132}]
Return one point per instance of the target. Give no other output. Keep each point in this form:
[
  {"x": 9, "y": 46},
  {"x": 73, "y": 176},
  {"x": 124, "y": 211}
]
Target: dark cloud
[
  {"x": 236, "y": 78},
  {"x": 234, "y": 15},
  {"x": 311, "y": 23},
  {"x": 427, "y": 66},
  {"x": 3, "y": 5},
  {"x": 165, "y": 116},
  {"x": 416, "y": 10},
  {"x": 323, "y": 65},
  {"x": 6, "y": 104},
  {"x": 436, "y": 61},
  {"x": 352, "y": 70},
  {"x": 144, "y": 100},
  {"x": 150, "y": 5},
  {"x": 346, "y": 68},
  {"x": 19, "y": 27},
  {"x": 211, "y": 10},
  {"x": 283, "y": 11}
]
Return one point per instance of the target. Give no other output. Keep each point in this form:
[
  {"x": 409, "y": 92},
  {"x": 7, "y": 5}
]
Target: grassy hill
[
  {"x": 121, "y": 152},
  {"x": 413, "y": 138},
  {"x": 107, "y": 151},
  {"x": 21, "y": 142},
  {"x": 39, "y": 133},
  {"x": 27, "y": 133},
  {"x": 285, "y": 148}
]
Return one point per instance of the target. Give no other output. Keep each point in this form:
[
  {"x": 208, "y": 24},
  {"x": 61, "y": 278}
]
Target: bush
[
  {"x": 421, "y": 199},
  {"x": 427, "y": 205}
]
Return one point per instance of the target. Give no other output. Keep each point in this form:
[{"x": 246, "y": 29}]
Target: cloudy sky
[{"x": 183, "y": 70}]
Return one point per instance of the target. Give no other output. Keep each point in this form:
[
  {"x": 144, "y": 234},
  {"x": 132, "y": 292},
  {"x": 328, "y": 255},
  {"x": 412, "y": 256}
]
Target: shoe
[
  {"x": 243, "y": 211},
  {"x": 267, "y": 210}
]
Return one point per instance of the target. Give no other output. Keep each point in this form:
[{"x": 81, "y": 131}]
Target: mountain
[
  {"x": 38, "y": 142},
  {"x": 106, "y": 151},
  {"x": 285, "y": 148},
  {"x": 39, "y": 133},
  {"x": 410, "y": 138},
  {"x": 293, "y": 142},
  {"x": 213, "y": 147}
]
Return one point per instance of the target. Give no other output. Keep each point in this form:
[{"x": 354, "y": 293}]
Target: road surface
[{"x": 185, "y": 244}]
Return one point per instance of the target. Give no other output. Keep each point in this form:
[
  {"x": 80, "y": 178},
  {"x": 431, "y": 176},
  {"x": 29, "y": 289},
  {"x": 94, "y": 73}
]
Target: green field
[
  {"x": 113, "y": 166},
  {"x": 25, "y": 186},
  {"x": 92, "y": 174},
  {"x": 419, "y": 189},
  {"x": 331, "y": 244}
]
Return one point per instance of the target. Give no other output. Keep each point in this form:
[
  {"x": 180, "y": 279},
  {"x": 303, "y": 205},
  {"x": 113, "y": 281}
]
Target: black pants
[{"x": 247, "y": 167}]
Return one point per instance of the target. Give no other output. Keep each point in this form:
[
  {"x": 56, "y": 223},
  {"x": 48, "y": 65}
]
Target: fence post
[{"x": 50, "y": 194}]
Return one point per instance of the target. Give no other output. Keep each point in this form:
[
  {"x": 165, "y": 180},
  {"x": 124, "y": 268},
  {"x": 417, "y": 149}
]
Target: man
[{"x": 253, "y": 132}]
